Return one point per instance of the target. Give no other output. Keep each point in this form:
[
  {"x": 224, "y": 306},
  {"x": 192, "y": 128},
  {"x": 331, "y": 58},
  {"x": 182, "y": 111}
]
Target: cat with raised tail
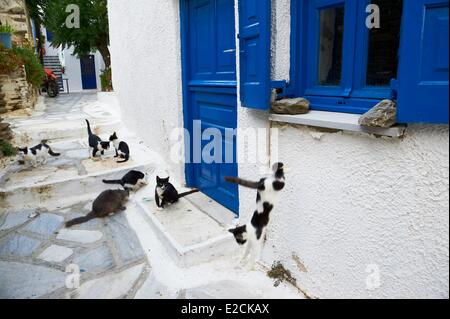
[
  {"x": 133, "y": 180},
  {"x": 166, "y": 193},
  {"x": 122, "y": 148},
  {"x": 96, "y": 145},
  {"x": 253, "y": 233},
  {"x": 107, "y": 203},
  {"x": 37, "y": 154}
]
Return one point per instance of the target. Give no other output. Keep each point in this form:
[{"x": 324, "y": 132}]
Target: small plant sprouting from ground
[
  {"x": 7, "y": 149},
  {"x": 281, "y": 274}
]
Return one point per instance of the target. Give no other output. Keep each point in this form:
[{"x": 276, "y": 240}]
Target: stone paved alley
[{"x": 142, "y": 253}]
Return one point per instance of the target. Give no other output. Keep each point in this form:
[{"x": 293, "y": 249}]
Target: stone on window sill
[
  {"x": 383, "y": 115},
  {"x": 338, "y": 121},
  {"x": 295, "y": 106}
]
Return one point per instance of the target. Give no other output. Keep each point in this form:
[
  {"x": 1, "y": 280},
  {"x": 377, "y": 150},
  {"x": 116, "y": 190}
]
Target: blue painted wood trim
[
  {"x": 360, "y": 97},
  {"x": 187, "y": 112}
]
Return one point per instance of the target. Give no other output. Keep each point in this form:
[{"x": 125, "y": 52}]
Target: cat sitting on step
[
  {"x": 122, "y": 148},
  {"x": 37, "y": 154},
  {"x": 253, "y": 233},
  {"x": 166, "y": 193},
  {"x": 107, "y": 203}
]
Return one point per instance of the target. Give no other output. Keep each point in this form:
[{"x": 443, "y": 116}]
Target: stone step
[
  {"x": 70, "y": 178},
  {"x": 64, "y": 119},
  {"x": 190, "y": 235}
]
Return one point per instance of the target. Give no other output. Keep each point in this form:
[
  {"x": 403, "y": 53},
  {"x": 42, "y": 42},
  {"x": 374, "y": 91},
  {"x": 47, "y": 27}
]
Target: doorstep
[{"x": 190, "y": 234}]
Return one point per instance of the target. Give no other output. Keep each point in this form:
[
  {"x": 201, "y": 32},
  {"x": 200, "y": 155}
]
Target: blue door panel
[
  {"x": 212, "y": 40},
  {"x": 254, "y": 35},
  {"x": 210, "y": 84},
  {"x": 423, "y": 71},
  {"x": 88, "y": 76}
]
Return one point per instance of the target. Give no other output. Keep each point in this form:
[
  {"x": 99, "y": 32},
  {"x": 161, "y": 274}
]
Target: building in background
[
  {"x": 81, "y": 73},
  {"x": 366, "y": 209}
]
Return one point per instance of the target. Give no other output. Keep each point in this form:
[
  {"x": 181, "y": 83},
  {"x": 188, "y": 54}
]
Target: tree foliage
[{"x": 93, "y": 33}]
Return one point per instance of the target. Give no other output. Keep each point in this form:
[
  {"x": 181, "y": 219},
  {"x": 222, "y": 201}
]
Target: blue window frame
[
  {"x": 343, "y": 86},
  {"x": 348, "y": 73}
]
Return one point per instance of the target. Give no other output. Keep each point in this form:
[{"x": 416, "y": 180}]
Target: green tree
[{"x": 93, "y": 31}]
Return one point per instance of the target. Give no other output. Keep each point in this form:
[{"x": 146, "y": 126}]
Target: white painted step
[
  {"x": 190, "y": 235},
  {"x": 70, "y": 178}
]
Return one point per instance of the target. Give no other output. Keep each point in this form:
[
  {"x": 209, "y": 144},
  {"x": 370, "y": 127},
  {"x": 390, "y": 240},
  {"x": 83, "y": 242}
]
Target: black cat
[
  {"x": 166, "y": 193},
  {"x": 95, "y": 143}
]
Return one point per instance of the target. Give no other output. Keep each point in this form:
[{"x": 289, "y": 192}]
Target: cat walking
[{"x": 37, "y": 154}]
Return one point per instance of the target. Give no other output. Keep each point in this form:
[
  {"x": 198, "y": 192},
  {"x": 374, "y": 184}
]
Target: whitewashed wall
[
  {"x": 146, "y": 55},
  {"x": 352, "y": 200}
]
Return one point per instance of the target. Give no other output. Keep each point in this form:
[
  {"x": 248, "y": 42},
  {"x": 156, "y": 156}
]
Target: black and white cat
[
  {"x": 95, "y": 143},
  {"x": 252, "y": 234},
  {"x": 166, "y": 193},
  {"x": 37, "y": 154},
  {"x": 133, "y": 180},
  {"x": 122, "y": 148}
]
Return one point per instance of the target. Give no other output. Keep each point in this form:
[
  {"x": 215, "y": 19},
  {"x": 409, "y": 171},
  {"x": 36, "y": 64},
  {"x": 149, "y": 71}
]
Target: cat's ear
[
  {"x": 158, "y": 179},
  {"x": 232, "y": 231}
]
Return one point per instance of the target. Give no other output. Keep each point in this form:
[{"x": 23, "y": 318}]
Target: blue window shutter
[
  {"x": 254, "y": 35},
  {"x": 423, "y": 71}
]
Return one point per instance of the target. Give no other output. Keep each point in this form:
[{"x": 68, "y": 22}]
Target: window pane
[
  {"x": 331, "y": 46},
  {"x": 384, "y": 44}
]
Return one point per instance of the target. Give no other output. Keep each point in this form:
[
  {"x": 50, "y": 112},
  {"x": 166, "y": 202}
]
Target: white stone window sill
[{"x": 338, "y": 121}]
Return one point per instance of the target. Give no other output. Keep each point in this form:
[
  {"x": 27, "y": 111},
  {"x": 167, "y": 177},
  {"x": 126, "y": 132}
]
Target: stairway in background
[{"x": 52, "y": 62}]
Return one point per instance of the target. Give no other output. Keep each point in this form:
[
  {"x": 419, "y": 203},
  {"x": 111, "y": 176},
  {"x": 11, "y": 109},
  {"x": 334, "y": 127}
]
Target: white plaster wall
[
  {"x": 353, "y": 201},
  {"x": 146, "y": 64}
]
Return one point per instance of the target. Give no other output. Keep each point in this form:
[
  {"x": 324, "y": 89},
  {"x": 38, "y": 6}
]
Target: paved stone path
[
  {"x": 36, "y": 251},
  {"x": 38, "y": 255}
]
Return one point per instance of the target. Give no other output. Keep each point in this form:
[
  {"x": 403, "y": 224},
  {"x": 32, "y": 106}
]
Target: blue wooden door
[
  {"x": 210, "y": 97},
  {"x": 88, "y": 76}
]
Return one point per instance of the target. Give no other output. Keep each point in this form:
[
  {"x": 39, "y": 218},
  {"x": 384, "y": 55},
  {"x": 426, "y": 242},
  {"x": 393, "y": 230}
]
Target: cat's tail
[
  {"x": 127, "y": 158},
  {"x": 242, "y": 182},
  {"x": 80, "y": 220},
  {"x": 117, "y": 181},
  {"x": 188, "y": 193},
  {"x": 50, "y": 151},
  {"x": 89, "y": 128}
]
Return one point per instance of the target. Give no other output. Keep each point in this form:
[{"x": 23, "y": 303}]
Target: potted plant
[{"x": 6, "y": 32}]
